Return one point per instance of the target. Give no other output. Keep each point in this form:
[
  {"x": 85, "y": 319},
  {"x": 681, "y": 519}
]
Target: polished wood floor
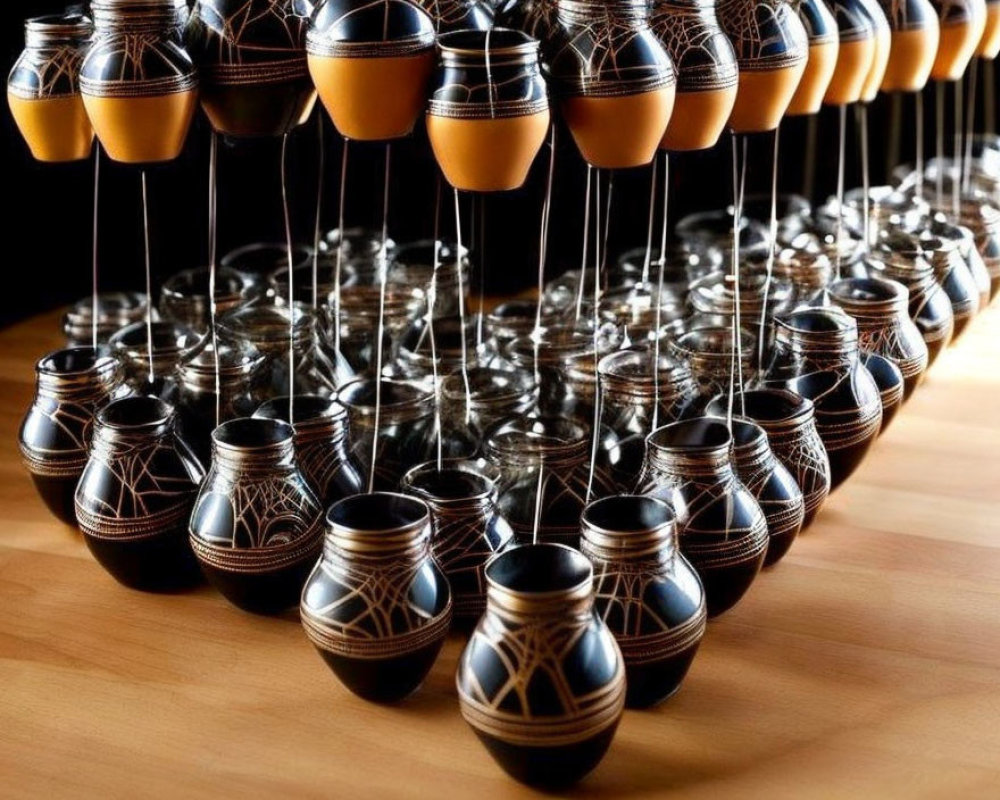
[{"x": 866, "y": 664}]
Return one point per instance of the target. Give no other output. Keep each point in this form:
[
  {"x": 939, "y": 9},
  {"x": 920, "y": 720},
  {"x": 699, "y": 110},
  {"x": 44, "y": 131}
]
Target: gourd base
[
  {"x": 763, "y": 98},
  {"x": 56, "y": 129},
  {"x": 654, "y": 682},
  {"x": 725, "y": 586},
  {"x": 267, "y": 110},
  {"x": 261, "y": 593},
  {"x": 880, "y": 62},
  {"x": 386, "y": 680},
  {"x": 698, "y": 119},
  {"x": 911, "y": 56},
  {"x": 549, "y": 767},
  {"x": 854, "y": 62},
  {"x": 779, "y": 545},
  {"x": 142, "y": 130},
  {"x": 619, "y": 132},
  {"x": 487, "y": 155},
  {"x": 162, "y": 563},
  {"x": 989, "y": 44},
  {"x": 845, "y": 460},
  {"x": 957, "y": 44},
  {"x": 58, "y": 494},
  {"x": 815, "y": 81},
  {"x": 373, "y": 99}
]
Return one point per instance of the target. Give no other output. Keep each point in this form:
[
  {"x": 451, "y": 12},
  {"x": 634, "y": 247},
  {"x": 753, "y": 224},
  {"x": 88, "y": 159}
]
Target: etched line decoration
[
  {"x": 519, "y": 92},
  {"x": 533, "y": 652},
  {"x": 853, "y": 22},
  {"x": 377, "y": 29},
  {"x": 762, "y": 34},
  {"x": 50, "y": 65},
  {"x": 905, "y": 15},
  {"x": 137, "y": 56},
  {"x": 702, "y": 54},
  {"x": 254, "y": 42},
  {"x": 373, "y": 615},
  {"x": 138, "y": 487},
  {"x": 818, "y": 29},
  {"x": 607, "y": 49}
]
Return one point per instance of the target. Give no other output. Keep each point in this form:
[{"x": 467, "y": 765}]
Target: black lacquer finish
[
  {"x": 488, "y": 76},
  {"x": 789, "y": 420},
  {"x": 405, "y": 427},
  {"x": 891, "y": 386},
  {"x": 770, "y": 482},
  {"x": 377, "y": 607},
  {"x": 134, "y": 52},
  {"x": 55, "y": 434},
  {"x": 467, "y": 526},
  {"x": 701, "y": 52},
  {"x": 606, "y": 49},
  {"x": 136, "y": 493},
  {"x": 721, "y": 528},
  {"x": 983, "y": 219},
  {"x": 49, "y": 66},
  {"x": 901, "y": 258},
  {"x": 458, "y": 15},
  {"x": 252, "y": 59},
  {"x": 880, "y": 308},
  {"x": 537, "y": 18},
  {"x": 321, "y": 444},
  {"x": 544, "y": 476},
  {"x": 942, "y": 244},
  {"x": 764, "y": 33},
  {"x": 355, "y": 28},
  {"x": 646, "y": 592},
  {"x": 816, "y": 355},
  {"x": 629, "y": 408},
  {"x": 541, "y": 632},
  {"x": 257, "y": 527}
]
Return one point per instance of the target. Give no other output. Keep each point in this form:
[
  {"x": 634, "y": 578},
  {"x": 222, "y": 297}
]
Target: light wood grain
[{"x": 866, "y": 664}]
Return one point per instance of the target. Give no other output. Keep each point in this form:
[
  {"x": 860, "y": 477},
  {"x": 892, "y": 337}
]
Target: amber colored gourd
[
  {"x": 373, "y": 88},
  {"x": 707, "y": 75},
  {"x": 772, "y": 51},
  {"x": 615, "y": 81},
  {"x": 854, "y": 62},
  {"x": 915, "y": 33},
  {"x": 139, "y": 85},
  {"x": 824, "y": 44},
  {"x": 489, "y": 110},
  {"x": 43, "y": 89},
  {"x": 989, "y": 43},
  {"x": 883, "y": 49},
  {"x": 962, "y": 27}
]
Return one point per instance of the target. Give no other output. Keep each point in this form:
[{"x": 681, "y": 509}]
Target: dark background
[{"x": 46, "y": 230}]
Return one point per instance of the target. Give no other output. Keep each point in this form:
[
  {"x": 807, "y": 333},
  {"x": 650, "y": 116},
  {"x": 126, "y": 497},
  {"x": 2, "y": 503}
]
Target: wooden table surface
[{"x": 866, "y": 664}]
